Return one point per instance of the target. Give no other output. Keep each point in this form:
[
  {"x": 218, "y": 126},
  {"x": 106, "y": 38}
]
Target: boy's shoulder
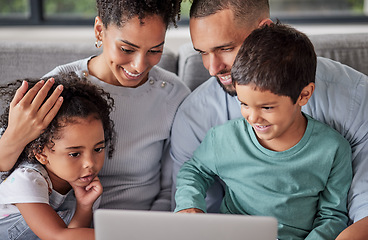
[{"x": 324, "y": 131}]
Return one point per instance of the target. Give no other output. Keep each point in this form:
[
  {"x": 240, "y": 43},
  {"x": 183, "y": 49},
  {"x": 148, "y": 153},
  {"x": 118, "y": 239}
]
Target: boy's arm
[
  {"x": 46, "y": 223},
  {"x": 27, "y": 119},
  {"x": 195, "y": 177},
  {"x": 331, "y": 217}
]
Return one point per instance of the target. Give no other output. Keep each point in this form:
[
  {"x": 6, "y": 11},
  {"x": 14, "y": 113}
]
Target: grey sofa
[{"x": 21, "y": 59}]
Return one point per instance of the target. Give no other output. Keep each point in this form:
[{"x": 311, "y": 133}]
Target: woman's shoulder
[
  {"x": 168, "y": 82},
  {"x": 79, "y": 67}
]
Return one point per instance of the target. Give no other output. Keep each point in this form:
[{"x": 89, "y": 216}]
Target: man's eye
[{"x": 227, "y": 49}]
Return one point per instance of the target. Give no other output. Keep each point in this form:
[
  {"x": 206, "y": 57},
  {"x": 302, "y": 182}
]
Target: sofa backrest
[{"x": 349, "y": 49}]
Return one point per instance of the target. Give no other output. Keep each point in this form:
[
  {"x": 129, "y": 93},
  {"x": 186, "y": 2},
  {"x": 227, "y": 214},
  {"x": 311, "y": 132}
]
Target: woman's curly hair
[
  {"x": 120, "y": 11},
  {"x": 81, "y": 99}
]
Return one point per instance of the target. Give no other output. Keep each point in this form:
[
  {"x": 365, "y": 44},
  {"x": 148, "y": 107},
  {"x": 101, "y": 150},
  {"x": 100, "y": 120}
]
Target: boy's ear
[
  {"x": 306, "y": 94},
  {"x": 42, "y": 158}
]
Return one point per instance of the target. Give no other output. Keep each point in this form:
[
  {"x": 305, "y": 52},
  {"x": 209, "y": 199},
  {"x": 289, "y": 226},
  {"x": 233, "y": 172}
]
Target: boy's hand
[
  {"x": 86, "y": 196},
  {"x": 191, "y": 210}
]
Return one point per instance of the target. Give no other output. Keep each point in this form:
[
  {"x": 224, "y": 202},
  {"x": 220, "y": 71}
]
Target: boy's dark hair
[
  {"x": 80, "y": 99},
  {"x": 245, "y": 11},
  {"x": 118, "y": 12},
  {"x": 277, "y": 58}
]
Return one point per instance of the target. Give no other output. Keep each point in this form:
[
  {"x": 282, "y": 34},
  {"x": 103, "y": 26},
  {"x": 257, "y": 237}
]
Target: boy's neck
[{"x": 287, "y": 141}]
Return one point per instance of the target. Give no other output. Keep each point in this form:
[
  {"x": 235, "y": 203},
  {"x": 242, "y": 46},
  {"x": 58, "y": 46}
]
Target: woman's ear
[
  {"x": 306, "y": 94},
  {"x": 98, "y": 28},
  {"x": 41, "y": 158}
]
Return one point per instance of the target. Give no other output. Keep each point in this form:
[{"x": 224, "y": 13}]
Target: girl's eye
[
  {"x": 74, "y": 155},
  {"x": 100, "y": 149}
]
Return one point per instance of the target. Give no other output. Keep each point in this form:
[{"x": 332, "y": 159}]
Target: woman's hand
[{"x": 28, "y": 117}]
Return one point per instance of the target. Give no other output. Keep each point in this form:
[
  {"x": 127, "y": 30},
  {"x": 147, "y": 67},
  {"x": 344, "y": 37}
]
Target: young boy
[{"x": 276, "y": 161}]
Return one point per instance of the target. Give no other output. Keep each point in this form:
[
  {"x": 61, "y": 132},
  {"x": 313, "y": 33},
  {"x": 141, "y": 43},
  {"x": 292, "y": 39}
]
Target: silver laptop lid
[{"x": 144, "y": 225}]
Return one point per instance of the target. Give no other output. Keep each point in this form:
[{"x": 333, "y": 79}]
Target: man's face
[{"x": 218, "y": 39}]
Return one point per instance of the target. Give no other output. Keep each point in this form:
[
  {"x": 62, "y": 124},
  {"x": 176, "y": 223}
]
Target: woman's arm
[
  {"x": 46, "y": 223},
  {"x": 27, "y": 119}
]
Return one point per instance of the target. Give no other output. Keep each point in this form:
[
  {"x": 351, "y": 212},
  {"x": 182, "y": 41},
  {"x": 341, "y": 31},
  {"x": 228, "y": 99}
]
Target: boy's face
[{"x": 276, "y": 121}]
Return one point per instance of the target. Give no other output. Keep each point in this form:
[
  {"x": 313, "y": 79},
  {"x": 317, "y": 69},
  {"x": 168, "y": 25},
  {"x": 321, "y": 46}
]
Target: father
[{"x": 218, "y": 29}]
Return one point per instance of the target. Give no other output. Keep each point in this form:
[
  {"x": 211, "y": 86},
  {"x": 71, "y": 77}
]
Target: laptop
[{"x": 143, "y": 225}]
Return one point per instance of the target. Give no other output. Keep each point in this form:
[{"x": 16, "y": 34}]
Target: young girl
[{"x": 52, "y": 188}]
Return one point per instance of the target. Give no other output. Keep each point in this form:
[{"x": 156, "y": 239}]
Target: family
[{"x": 262, "y": 136}]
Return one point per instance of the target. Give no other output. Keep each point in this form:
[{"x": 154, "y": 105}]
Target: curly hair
[
  {"x": 81, "y": 99},
  {"x": 120, "y": 11}
]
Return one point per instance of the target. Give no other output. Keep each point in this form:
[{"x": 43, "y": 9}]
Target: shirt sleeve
[
  {"x": 196, "y": 176},
  {"x": 331, "y": 217},
  {"x": 24, "y": 185}
]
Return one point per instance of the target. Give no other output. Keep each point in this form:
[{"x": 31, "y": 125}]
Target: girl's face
[
  {"x": 77, "y": 156},
  {"x": 129, "y": 52}
]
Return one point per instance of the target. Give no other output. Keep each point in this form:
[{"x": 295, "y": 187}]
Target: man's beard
[{"x": 229, "y": 91}]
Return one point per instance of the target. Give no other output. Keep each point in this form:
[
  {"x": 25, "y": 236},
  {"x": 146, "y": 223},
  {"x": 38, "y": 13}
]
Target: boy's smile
[{"x": 276, "y": 121}]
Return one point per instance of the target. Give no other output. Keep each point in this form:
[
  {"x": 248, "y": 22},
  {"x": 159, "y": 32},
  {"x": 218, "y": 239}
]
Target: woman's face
[{"x": 130, "y": 51}]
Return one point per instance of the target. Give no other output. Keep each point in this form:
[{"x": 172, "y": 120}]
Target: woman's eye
[
  {"x": 126, "y": 50},
  {"x": 74, "y": 155}
]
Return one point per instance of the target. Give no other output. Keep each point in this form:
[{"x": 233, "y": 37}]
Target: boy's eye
[
  {"x": 267, "y": 108},
  {"x": 155, "y": 51},
  {"x": 74, "y": 155}
]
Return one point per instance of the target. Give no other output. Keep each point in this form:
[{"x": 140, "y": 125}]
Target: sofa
[{"x": 30, "y": 59}]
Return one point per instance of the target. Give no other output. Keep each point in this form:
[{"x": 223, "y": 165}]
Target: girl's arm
[
  {"x": 27, "y": 119},
  {"x": 46, "y": 223},
  {"x": 86, "y": 196}
]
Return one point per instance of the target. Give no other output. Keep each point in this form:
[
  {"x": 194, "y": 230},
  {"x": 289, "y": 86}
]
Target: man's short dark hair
[{"x": 245, "y": 11}]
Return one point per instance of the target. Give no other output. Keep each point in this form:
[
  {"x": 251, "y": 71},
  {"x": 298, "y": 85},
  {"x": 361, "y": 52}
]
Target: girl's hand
[{"x": 86, "y": 196}]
